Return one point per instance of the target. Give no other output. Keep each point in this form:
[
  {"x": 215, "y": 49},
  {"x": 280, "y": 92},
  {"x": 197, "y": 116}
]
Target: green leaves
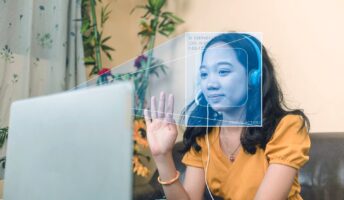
[
  {"x": 156, "y": 21},
  {"x": 85, "y": 26},
  {"x": 139, "y": 7},
  {"x": 93, "y": 39},
  {"x": 124, "y": 77},
  {"x": 153, "y": 22},
  {"x": 105, "y": 48},
  {"x": 173, "y": 18},
  {"x": 89, "y": 60},
  {"x": 157, "y": 65},
  {"x": 105, "y": 13},
  {"x": 153, "y": 7},
  {"x": 156, "y": 5},
  {"x": 168, "y": 24},
  {"x": 146, "y": 30}
]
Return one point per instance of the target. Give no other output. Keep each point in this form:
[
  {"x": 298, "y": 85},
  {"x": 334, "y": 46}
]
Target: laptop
[{"x": 71, "y": 146}]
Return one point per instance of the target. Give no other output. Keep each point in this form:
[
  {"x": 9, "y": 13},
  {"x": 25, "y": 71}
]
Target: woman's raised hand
[{"x": 161, "y": 128}]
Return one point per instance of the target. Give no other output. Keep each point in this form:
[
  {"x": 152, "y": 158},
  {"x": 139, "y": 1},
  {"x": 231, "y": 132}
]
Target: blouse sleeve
[
  {"x": 193, "y": 158},
  {"x": 288, "y": 145}
]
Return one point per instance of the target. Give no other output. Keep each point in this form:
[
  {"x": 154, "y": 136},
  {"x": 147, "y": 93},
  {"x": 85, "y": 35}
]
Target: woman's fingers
[
  {"x": 147, "y": 117},
  {"x": 153, "y": 108},
  {"x": 169, "y": 109},
  {"x": 161, "y": 109},
  {"x": 165, "y": 108}
]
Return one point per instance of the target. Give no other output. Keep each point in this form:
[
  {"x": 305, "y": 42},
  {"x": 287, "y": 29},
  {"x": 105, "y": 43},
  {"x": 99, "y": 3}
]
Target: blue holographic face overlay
[
  {"x": 216, "y": 78},
  {"x": 222, "y": 78},
  {"x": 227, "y": 89}
]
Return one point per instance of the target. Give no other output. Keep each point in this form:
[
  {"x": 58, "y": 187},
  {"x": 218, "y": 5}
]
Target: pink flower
[{"x": 104, "y": 71}]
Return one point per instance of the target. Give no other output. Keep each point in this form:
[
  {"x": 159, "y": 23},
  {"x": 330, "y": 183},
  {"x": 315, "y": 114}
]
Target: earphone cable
[{"x": 208, "y": 159}]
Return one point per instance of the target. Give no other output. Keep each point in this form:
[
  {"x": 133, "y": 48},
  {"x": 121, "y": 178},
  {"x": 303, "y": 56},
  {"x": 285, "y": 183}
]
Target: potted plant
[
  {"x": 94, "y": 41},
  {"x": 154, "y": 21}
]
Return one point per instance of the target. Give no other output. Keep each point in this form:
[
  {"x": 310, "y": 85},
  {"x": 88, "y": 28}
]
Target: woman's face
[{"x": 223, "y": 78}]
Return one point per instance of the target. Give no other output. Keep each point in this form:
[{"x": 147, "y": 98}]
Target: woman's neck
[
  {"x": 235, "y": 116},
  {"x": 230, "y": 139},
  {"x": 231, "y": 132}
]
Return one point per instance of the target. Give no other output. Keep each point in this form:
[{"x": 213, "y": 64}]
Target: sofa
[{"x": 322, "y": 178}]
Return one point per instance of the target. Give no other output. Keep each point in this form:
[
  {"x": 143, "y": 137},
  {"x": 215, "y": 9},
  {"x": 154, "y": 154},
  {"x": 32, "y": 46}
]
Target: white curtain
[{"x": 41, "y": 50}]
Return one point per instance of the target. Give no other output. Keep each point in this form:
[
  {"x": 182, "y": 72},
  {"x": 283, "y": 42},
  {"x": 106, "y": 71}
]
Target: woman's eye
[
  {"x": 203, "y": 75},
  {"x": 224, "y": 72}
]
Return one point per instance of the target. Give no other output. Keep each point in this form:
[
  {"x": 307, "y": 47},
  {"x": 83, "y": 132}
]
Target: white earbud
[{"x": 196, "y": 97}]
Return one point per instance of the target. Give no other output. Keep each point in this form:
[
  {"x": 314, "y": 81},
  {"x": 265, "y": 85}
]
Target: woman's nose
[{"x": 213, "y": 83}]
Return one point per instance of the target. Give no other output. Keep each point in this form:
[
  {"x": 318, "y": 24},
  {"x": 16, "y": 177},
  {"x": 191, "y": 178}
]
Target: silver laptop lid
[{"x": 73, "y": 145}]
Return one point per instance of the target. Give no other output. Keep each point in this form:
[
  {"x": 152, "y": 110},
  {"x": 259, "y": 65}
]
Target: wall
[{"x": 304, "y": 38}]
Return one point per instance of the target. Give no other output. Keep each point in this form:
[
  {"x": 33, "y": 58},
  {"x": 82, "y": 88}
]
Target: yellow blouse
[{"x": 241, "y": 179}]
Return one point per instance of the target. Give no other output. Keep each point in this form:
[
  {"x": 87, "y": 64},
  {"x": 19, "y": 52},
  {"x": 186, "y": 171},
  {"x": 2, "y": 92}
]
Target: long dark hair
[{"x": 274, "y": 107}]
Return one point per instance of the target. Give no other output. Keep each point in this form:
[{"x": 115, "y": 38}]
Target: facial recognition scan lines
[{"x": 166, "y": 53}]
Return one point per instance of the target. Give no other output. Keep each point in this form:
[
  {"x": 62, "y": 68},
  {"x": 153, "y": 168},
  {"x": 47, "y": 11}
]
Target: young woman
[{"x": 233, "y": 162}]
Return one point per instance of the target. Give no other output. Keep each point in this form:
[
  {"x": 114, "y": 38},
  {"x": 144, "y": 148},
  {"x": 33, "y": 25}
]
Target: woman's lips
[{"x": 215, "y": 97}]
